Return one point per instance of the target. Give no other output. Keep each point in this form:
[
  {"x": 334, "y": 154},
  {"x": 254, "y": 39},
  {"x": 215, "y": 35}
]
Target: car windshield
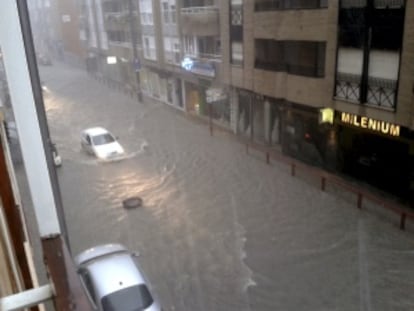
[
  {"x": 134, "y": 298},
  {"x": 103, "y": 139}
]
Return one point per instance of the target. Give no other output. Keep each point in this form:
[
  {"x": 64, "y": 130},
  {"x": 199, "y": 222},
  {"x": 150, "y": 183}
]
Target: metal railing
[
  {"x": 204, "y": 56},
  {"x": 200, "y": 10},
  {"x": 325, "y": 177}
]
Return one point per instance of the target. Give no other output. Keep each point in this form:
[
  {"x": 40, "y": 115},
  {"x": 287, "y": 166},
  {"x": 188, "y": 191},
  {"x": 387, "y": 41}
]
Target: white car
[
  {"x": 101, "y": 143},
  {"x": 57, "y": 159},
  {"x": 114, "y": 280}
]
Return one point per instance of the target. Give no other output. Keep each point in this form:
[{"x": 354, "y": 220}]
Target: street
[{"x": 219, "y": 230}]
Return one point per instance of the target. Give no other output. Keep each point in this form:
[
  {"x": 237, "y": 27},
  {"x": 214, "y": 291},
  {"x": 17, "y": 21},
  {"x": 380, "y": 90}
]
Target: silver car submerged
[{"x": 113, "y": 279}]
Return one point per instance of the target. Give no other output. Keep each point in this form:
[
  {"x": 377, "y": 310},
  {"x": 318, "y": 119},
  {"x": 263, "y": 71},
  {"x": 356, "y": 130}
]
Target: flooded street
[{"x": 219, "y": 230}]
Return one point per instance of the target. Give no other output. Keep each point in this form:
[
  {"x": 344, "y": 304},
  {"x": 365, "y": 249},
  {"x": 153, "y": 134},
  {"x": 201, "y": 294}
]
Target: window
[
  {"x": 305, "y": 58},
  {"x": 173, "y": 14},
  {"x": 189, "y": 45},
  {"x": 172, "y": 50},
  {"x": 236, "y": 53},
  {"x": 112, "y": 7},
  {"x": 146, "y": 12},
  {"x": 136, "y": 297},
  {"x": 236, "y": 32},
  {"x": 118, "y": 36},
  {"x": 165, "y": 12},
  {"x": 86, "y": 280},
  {"x": 369, "y": 44},
  {"x": 147, "y": 47},
  {"x": 270, "y": 5},
  {"x": 168, "y": 11}
]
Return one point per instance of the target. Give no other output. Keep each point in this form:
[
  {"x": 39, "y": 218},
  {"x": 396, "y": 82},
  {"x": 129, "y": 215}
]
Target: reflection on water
[{"x": 154, "y": 190}]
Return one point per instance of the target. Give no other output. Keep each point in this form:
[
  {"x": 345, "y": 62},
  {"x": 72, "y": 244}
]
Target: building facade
[
  {"x": 182, "y": 56},
  {"x": 328, "y": 82},
  {"x": 56, "y": 29}
]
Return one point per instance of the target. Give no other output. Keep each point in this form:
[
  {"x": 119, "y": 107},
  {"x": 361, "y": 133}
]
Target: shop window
[
  {"x": 244, "y": 117},
  {"x": 274, "y": 124}
]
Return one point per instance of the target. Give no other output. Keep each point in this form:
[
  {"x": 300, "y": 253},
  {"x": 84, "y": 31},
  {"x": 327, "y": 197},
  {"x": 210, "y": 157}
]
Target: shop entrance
[{"x": 377, "y": 160}]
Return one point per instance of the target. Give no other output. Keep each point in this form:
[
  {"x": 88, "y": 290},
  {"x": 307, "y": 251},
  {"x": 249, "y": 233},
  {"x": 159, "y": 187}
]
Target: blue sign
[
  {"x": 203, "y": 68},
  {"x": 187, "y": 63},
  {"x": 137, "y": 65}
]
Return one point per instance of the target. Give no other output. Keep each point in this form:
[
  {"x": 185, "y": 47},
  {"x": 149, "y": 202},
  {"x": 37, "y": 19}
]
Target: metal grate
[
  {"x": 382, "y": 92},
  {"x": 348, "y": 87}
]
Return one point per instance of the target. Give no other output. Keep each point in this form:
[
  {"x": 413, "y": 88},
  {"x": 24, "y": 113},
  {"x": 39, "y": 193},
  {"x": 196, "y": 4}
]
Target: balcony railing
[
  {"x": 199, "y": 10},
  {"x": 173, "y": 57},
  {"x": 204, "y": 56},
  {"x": 380, "y": 93},
  {"x": 348, "y": 87},
  {"x": 124, "y": 44}
]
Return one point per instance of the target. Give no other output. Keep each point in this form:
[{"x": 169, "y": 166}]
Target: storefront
[
  {"x": 174, "y": 93},
  {"x": 218, "y": 100},
  {"x": 195, "y": 97},
  {"x": 244, "y": 120},
  {"x": 259, "y": 117},
  {"x": 303, "y": 138},
  {"x": 377, "y": 152},
  {"x": 153, "y": 84}
]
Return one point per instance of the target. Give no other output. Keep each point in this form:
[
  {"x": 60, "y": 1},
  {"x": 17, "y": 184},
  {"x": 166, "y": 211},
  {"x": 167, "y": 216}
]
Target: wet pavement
[{"x": 219, "y": 230}]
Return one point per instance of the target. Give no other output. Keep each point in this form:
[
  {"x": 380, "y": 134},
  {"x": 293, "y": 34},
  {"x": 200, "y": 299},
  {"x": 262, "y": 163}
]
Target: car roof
[
  {"x": 95, "y": 131},
  {"x": 114, "y": 272},
  {"x": 98, "y": 251}
]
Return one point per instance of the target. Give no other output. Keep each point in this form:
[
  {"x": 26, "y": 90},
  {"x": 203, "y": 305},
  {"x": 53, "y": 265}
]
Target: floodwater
[{"x": 219, "y": 230}]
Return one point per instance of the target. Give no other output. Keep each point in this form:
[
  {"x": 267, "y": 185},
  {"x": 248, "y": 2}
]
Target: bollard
[
  {"x": 293, "y": 169},
  {"x": 323, "y": 183},
  {"x": 402, "y": 221},
  {"x": 359, "y": 200}
]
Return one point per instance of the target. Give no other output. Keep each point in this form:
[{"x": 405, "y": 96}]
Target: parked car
[
  {"x": 113, "y": 279},
  {"x": 44, "y": 60},
  {"x": 44, "y": 87},
  {"x": 101, "y": 143},
  {"x": 56, "y": 157}
]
